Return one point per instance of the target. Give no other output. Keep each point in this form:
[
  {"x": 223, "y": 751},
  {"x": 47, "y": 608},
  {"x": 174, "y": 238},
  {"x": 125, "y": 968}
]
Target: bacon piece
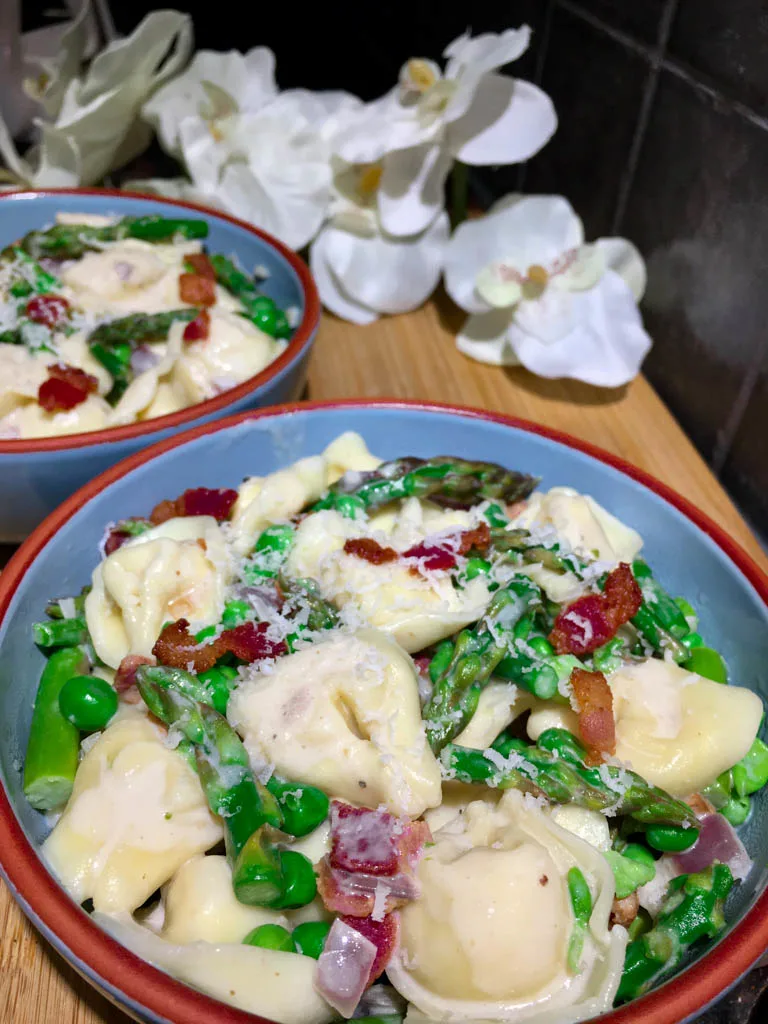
[
  {"x": 199, "y": 328},
  {"x": 125, "y": 677},
  {"x": 625, "y": 911},
  {"x": 66, "y": 387},
  {"x": 383, "y": 934},
  {"x": 363, "y": 840},
  {"x": 369, "y": 550},
  {"x": 177, "y": 647},
  {"x": 699, "y": 805},
  {"x": 117, "y": 536},
  {"x": 596, "y": 725},
  {"x": 48, "y": 310},
  {"x": 591, "y": 621},
  {"x": 478, "y": 539},
  {"x": 197, "y": 501},
  {"x": 201, "y": 265},
  {"x": 355, "y": 893},
  {"x": 197, "y": 290},
  {"x": 431, "y": 556}
]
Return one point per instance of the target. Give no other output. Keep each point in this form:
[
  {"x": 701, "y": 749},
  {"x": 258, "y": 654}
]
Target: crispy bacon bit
[
  {"x": 431, "y": 556},
  {"x": 177, "y": 647},
  {"x": 478, "y": 539},
  {"x": 544, "y": 880},
  {"x": 592, "y": 621},
  {"x": 48, "y": 310},
  {"x": 125, "y": 677},
  {"x": 363, "y": 839},
  {"x": 383, "y": 934},
  {"x": 116, "y": 537},
  {"x": 66, "y": 387},
  {"x": 199, "y": 328},
  {"x": 369, "y": 550},
  {"x": 197, "y": 290},
  {"x": 595, "y": 703},
  {"x": 625, "y": 911},
  {"x": 197, "y": 501},
  {"x": 699, "y": 805},
  {"x": 201, "y": 265}
]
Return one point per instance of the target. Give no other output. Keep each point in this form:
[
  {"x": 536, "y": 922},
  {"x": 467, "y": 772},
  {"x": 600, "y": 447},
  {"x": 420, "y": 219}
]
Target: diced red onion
[
  {"x": 717, "y": 841},
  {"x": 359, "y": 883},
  {"x": 123, "y": 269},
  {"x": 221, "y": 384},
  {"x": 344, "y": 966},
  {"x": 383, "y": 934},
  {"x": 143, "y": 358},
  {"x": 431, "y": 556}
]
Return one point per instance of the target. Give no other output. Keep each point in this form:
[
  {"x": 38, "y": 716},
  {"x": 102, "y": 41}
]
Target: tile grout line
[
  {"x": 538, "y": 74},
  {"x": 727, "y": 435}
]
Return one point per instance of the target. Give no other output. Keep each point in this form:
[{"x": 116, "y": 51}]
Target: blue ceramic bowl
[
  {"x": 692, "y": 556},
  {"x": 36, "y": 475}
]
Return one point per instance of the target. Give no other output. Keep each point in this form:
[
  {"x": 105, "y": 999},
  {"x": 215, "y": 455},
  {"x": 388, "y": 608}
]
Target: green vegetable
[
  {"x": 87, "y": 702},
  {"x": 444, "y": 476},
  {"x": 581, "y": 905},
  {"x": 751, "y": 772},
  {"x": 664, "y": 609},
  {"x": 496, "y": 516},
  {"x": 54, "y": 610},
  {"x": 476, "y": 567},
  {"x": 217, "y": 683},
  {"x": 42, "y": 281},
  {"x": 550, "y": 556},
  {"x": 693, "y": 640},
  {"x": 691, "y": 618},
  {"x": 559, "y": 773},
  {"x": 71, "y": 241},
  {"x": 303, "y": 807},
  {"x": 299, "y": 885},
  {"x": 628, "y": 873},
  {"x": 271, "y": 936},
  {"x": 608, "y": 658},
  {"x": 269, "y": 553},
  {"x": 259, "y": 309},
  {"x": 310, "y": 937},
  {"x": 693, "y": 910},
  {"x": 54, "y": 743},
  {"x": 736, "y": 811},
  {"x": 306, "y": 593},
  {"x": 670, "y": 839},
  {"x": 708, "y": 663},
  {"x": 60, "y": 633},
  {"x": 235, "y": 612}
]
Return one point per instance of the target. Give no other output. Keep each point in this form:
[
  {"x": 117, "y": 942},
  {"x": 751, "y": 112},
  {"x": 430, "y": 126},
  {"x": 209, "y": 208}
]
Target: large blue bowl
[
  {"x": 692, "y": 556},
  {"x": 36, "y": 475}
]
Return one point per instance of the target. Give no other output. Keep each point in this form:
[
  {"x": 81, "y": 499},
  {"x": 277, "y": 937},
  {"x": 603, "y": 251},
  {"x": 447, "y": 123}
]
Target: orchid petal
[
  {"x": 59, "y": 72},
  {"x": 606, "y": 345},
  {"x": 327, "y": 111},
  {"x": 469, "y": 60},
  {"x": 58, "y": 159},
  {"x": 18, "y": 167},
  {"x": 331, "y": 291},
  {"x": 173, "y": 188},
  {"x": 389, "y": 275},
  {"x": 412, "y": 189},
  {"x": 248, "y": 78},
  {"x": 622, "y": 257},
  {"x": 484, "y": 337},
  {"x": 497, "y": 288},
  {"x": 382, "y": 127},
  {"x": 203, "y": 155},
  {"x": 508, "y": 121},
  {"x": 584, "y": 271},
  {"x": 548, "y": 318}
]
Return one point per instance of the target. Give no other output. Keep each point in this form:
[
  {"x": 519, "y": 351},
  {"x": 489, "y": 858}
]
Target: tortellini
[
  {"x": 136, "y": 813},
  {"x": 416, "y": 610},
  {"x": 488, "y": 937},
  {"x": 500, "y": 704},
  {"x": 678, "y": 730},
  {"x": 177, "y": 570},
  {"x": 344, "y": 715},
  {"x": 270, "y": 499},
  {"x": 265, "y": 982}
]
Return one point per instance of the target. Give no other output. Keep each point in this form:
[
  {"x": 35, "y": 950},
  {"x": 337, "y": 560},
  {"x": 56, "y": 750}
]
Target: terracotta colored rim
[
  {"x": 161, "y": 995},
  {"x": 296, "y": 347}
]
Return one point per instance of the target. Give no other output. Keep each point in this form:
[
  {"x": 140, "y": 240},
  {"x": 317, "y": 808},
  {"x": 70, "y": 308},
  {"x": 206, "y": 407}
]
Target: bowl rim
[
  {"x": 170, "y": 1000},
  {"x": 296, "y": 347}
]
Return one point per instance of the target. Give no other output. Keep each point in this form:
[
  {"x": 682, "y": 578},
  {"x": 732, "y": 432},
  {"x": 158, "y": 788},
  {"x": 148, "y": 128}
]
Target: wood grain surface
[{"x": 409, "y": 356}]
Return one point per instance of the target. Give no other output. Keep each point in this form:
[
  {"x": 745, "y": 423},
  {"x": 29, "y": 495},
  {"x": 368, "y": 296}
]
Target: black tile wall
[
  {"x": 728, "y": 41},
  {"x": 746, "y": 471},
  {"x": 641, "y": 18},
  {"x": 597, "y": 87},
  {"x": 698, "y": 211}
]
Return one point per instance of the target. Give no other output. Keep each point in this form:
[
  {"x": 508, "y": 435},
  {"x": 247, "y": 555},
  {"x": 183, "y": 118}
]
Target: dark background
[{"x": 663, "y": 138}]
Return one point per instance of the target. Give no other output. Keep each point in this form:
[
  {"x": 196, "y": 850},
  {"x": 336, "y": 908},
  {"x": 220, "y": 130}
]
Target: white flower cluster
[{"x": 363, "y": 184}]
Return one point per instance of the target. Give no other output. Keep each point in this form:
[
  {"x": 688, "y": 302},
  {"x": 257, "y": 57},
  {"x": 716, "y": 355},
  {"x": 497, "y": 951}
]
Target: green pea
[
  {"x": 476, "y": 567},
  {"x": 441, "y": 659},
  {"x": 495, "y": 515},
  {"x": 581, "y": 898},
  {"x": 259, "y": 303},
  {"x": 299, "y": 885},
  {"x": 204, "y": 634},
  {"x": 20, "y": 289},
  {"x": 708, "y": 663},
  {"x": 310, "y": 937},
  {"x": 639, "y": 853},
  {"x": 751, "y": 772},
  {"x": 608, "y": 657},
  {"x": 265, "y": 319},
  {"x": 693, "y": 640},
  {"x": 282, "y": 327},
  {"x": 275, "y": 538},
  {"x": 563, "y": 665},
  {"x": 671, "y": 839},
  {"x": 235, "y": 612},
  {"x": 87, "y": 702},
  {"x": 642, "y": 924},
  {"x": 736, "y": 811},
  {"x": 271, "y": 936},
  {"x": 541, "y": 646},
  {"x": 522, "y": 627},
  {"x": 303, "y": 807},
  {"x": 217, "y": 684}
]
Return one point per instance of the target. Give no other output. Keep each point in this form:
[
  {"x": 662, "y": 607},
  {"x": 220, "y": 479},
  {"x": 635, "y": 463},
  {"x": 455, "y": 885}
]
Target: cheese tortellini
[
  {"x": 488, "y": 938},
  {"x": 136, "y": 813},
  {"x": 343, "y": 715},
  {"x": 177, "y": 570}
]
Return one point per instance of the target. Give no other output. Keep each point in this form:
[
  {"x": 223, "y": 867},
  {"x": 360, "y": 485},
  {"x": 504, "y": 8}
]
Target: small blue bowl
[
  {"x": 36, "y": 475},
  {"x": 690, "y": 553}
]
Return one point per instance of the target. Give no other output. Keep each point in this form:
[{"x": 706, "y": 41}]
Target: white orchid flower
[
  {"x": 538, "y": 295},
  {"x": 96, "y": 127},
  {"x": 361, "y": 271},
  {"x": 467, "y": 112}
]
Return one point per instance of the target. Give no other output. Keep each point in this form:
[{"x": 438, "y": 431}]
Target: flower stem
[{"x": 459, "y": 193}]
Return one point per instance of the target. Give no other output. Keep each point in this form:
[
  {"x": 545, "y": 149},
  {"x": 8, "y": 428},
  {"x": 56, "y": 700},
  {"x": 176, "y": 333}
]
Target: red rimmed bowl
[
  {"x": 36, "y": 475},
  {"x": 692, "y": 556}
]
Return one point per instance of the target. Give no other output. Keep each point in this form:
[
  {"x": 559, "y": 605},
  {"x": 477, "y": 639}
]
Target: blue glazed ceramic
[
  {"x": 691, "y": 555},
  {"x": 36, "y": 475}
]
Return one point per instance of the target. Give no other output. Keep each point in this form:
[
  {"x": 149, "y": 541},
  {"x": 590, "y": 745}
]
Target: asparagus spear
[
  {"x": 549, "y": 556},
  {"x": 60, "y": 633},
  {"x": 565, "y": 780},
  {"x": 54, "y": 743},
  {"x": 456, "y": 481},
  {"x": 693, "y": 910},
  {"x": 322, "y": 614},
  {"x": 261, "y": 875},
  {"x": 476, "y": 654},
  {"x": 259, "y": 308},
  {"x": 41, "y": 281},
  {"x": 71, "y": 241}
]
